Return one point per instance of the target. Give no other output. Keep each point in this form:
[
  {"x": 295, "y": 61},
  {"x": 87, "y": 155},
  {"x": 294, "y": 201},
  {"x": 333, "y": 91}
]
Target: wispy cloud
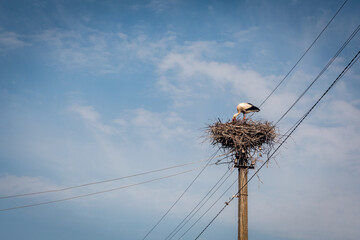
[
  {"x": 92, "y": 119},
  {"x": 315, "y": 177},
  {"x": 166, "y": 125},
  {"x": 181, "y": 72},
  {"x": 102, "y": 52},
  {"x": 157, "y": 6},
  {"x": 11, "y": 40},
  {"x": 333, "y": 213},
  {"x": 12, "y": 185},
  {"x": 245, "y": 35},
  {"x": 83, "y": 50},
  {"x": 140, "y": 121}
]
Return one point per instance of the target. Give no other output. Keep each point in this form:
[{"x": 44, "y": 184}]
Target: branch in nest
[{"x": 243, "y": 139}]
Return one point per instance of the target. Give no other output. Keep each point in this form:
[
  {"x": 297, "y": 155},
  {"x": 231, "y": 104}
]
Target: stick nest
[{"x": 246, "y": 140}]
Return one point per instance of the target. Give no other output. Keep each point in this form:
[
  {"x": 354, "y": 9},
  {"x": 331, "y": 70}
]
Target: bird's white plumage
[{"x": 245, "y": 108}]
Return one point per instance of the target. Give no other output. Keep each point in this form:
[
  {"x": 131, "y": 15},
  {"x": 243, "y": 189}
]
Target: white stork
[{"x": 244, "y": 108}]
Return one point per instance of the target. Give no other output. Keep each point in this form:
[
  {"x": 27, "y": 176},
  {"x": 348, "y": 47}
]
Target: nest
[{"x": 245, "y": 141}]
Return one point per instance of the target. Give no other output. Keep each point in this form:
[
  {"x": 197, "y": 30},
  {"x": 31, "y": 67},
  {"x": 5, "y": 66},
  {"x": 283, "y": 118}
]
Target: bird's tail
[{"x": 254, "y": 109}]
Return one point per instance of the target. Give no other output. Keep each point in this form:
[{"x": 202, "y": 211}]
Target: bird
[{"x": 244, "y": 108}]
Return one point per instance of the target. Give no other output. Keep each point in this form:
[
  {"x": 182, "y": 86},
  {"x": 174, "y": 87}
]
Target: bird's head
[{"x": 234, "y": 117}]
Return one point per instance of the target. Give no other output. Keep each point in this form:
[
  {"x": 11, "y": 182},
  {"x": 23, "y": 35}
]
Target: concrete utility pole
[
  {"x": 242, "y": 197},
  {"x": 243, "y": 205},
  {"x": 243, "y": 142}
]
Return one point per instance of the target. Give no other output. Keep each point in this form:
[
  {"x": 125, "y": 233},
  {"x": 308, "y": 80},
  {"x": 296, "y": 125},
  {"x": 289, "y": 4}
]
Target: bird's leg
[{"x": 243, "y": 116}]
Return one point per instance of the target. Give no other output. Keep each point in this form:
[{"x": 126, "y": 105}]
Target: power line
[
  {"x": 208, "y": 208},
  {"x": 170, "y": 235},
  {"x": 342, "y": 73},
  {"x": 330, "y": 62},
  {"x": 211, "y": 207},
  {"x": 100, "y": 182},
  {"x": 226, "y": 204},
  {"x": 299, "y": 121},
  {"x": 190, "y": 214},
  {"x": 319, "y": 75},
  {"x": 323, "y": 70},
  {"x": 295, "y": 126},
  {"x": 351, "y": 63},
  {"x": 177, "y": 200},
  {"x": 100, "y": 192},
  {"x": 311, "y": 45}
]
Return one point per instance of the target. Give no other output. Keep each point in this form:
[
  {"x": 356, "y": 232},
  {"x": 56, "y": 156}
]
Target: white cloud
[
  {"x": 184, "y": 72},
  {"x": 308, "y": 214},
  {"x": 92, "y": 119},
  {"x": 245, "y": 35},
  {"x": 11, "y": 40},
  {"x": 140, "y": 121},
  {"x": 334, "y": 129},
  {"x": 91, "y": 50},
  {"x": 314, "y": 194},
  {"x": 157, "y": 6},
  {"x": 161, "y": 5},
  {"x": 12, "y": 185},
  {"x": 164, "y": 125},
  {"x": 100, "y": 52}
]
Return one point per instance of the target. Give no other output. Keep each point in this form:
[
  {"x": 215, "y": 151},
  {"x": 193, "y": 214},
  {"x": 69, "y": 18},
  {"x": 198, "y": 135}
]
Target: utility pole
[
  {"x": 243, "y": 205},
  {"x": 243, "y": 169},
  {"x": 243, "y": 142}
]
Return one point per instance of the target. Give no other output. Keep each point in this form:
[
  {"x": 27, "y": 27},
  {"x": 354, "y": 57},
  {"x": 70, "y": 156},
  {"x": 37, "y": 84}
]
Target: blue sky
[{"x": 93, "y": 90}]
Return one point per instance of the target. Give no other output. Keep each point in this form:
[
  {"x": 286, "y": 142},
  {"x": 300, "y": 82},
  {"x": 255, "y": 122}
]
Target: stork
[{"x": 244, "y": 108}]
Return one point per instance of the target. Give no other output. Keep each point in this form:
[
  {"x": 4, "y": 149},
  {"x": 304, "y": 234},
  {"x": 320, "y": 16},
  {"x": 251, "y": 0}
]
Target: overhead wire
[
  {"x": 350, "y": 64},
  {"x": 353, "y": 34},
  {"x": 102, "y": 181},
  {"x": 348, "y": 40},
  {"x": 207, "y": 210},
  {"x": 320, "y": 74},
  {"x": 302, "y": 56},
  {"x": 100, "y": 192},
  {"x": 193, "y": 212},
  {"x": 311, "y": 45},
  {"x": 116, "y": 179},
  {"x": 303, "y": 93},
  {"x": 307, "y": 50},
  {"x": 178, "y": 199}
]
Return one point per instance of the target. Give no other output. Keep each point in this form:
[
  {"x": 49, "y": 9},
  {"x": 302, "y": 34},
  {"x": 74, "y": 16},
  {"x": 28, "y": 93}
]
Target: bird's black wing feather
[{"x": 253, "y": 108}]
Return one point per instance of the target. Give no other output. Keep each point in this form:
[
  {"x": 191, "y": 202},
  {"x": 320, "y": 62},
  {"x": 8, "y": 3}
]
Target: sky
[{"x": 95, "y": 90}]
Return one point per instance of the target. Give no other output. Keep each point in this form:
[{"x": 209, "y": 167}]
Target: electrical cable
[
  {"x": 320, "y": 74},
  {"x": 178, "y": 199},
  {"x": 100, "y": 182},
  {"x": 236, "y": 180},
  {"x": 311, "y": 45},
  {"x": 322, "y": 71},
  {"x": 100, "y": 192},
  {"x": 329, "y": 63},
  {"x": 351, "y": 63},
  {"x": 187, "y": 218},
  {"x": 208, "y": 208},
  {"x": 110, "y": 180},
  {"x": 301, "y": 119}
]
